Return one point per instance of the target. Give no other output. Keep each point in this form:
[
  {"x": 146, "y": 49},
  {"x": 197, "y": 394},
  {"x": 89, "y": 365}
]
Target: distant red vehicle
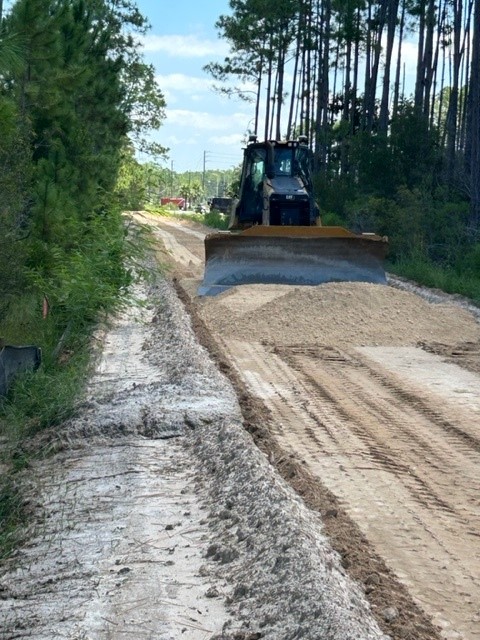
[{"x": 178, "y": 202}]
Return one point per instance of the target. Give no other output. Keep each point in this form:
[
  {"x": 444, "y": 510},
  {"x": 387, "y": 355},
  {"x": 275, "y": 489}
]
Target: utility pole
[
  {"x": 171, "y": 181},
  {"x": 204, "y": 164},
  {"x": 203, "y": 174}
]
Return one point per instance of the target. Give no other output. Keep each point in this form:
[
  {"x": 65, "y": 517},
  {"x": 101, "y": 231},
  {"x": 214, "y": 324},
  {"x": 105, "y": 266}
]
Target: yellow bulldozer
[{"x": 275, "y": 234}]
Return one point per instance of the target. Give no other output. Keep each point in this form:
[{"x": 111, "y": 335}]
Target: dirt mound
[{"x": 336, "y": 313}]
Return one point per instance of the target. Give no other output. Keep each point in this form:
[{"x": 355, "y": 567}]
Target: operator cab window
[
  {"x": 257, "y": 167},
  {"x": 283, "y": 162}
]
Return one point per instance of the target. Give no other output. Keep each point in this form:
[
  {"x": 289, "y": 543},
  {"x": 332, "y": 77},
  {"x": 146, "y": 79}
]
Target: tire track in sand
[{"x": 406, "y": 471}]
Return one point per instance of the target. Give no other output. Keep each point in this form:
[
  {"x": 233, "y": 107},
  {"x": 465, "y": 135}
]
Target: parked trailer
[{"x": 177, "y": 202}]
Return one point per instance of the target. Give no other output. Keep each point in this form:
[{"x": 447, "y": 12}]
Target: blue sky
[{"x": 200, "y": 123}]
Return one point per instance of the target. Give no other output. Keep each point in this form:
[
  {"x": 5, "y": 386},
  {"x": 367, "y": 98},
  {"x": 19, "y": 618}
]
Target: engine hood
[{"x": 286, "y": 185}]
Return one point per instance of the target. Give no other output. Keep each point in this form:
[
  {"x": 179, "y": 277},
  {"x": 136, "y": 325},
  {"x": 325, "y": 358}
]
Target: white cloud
[
  {"x": 184, "y": 46},
  {"x": 174, "y": 86},
  {"x": 207, "y": 121},
  {"x": 233, "y": 140},
  {"x": 182, "y": 82},
  {"x": 172, "y": 140},
  {"x": 188, "y": 140}
]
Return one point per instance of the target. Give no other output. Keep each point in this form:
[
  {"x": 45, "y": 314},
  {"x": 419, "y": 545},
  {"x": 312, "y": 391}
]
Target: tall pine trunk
[
  {"x": 452, "y": 113},
  {"x": 420, "y": 57},
  {"x": 269, "y": 89},
  {"x": 391, "y": 26},
  {"x": 377, "y": 53},
  {"x": 396, "y": 90},
  {"x": 427, "y": 63},
  {"x": 321, "y": 121},
  {"x": 473, "y": 129}
]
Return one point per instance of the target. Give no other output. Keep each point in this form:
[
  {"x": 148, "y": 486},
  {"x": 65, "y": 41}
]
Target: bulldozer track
[{"x": 401, "y": 469}]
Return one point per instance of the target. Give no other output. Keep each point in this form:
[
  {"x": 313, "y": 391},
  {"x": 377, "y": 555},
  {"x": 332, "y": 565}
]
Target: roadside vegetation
[
  {"x": 214, "y": 219},
  {"x": 430, "y": 237},
  {"x": 74, "y": 99}
]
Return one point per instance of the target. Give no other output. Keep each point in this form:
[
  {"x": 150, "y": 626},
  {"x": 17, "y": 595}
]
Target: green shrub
[
  {"x": 214, "y": 219},
  {"x": 468, "y": 261},
  {"x": 453, "y": 280},
  {"x": 330, "y": 219},
  {"x": 88, "y": 280},
  {"x": 334, "y": 194}
]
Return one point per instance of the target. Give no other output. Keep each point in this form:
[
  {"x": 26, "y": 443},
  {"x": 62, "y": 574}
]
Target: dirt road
[
  {"x": 153, "y": 514},
  {"x": 375, "y": 393},
  {"x": 273, "y": 463}
]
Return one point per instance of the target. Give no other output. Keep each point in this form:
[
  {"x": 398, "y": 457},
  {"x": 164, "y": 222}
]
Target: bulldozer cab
[
  {"x": 293, "y": 160},
  {"x": 276, "y": 186}
]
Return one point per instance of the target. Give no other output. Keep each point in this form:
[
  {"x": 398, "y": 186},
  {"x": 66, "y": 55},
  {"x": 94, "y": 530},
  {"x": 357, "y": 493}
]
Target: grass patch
[
  {"x": 451, "y": 280},
  {"x": 12, "y": 514},
  {"x": 216, "y": 220},
  {"x": 43, "y": 399},
  {"x": 213, "y": 219},
  {"x": 35, "y": 401}
]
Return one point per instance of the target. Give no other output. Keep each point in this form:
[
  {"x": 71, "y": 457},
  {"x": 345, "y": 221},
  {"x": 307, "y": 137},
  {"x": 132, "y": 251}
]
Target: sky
[{"x": 202, "y": 127}]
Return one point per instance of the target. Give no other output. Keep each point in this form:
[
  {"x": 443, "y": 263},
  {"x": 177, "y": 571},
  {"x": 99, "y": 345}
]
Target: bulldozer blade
[{"x": 236, "y": 259}]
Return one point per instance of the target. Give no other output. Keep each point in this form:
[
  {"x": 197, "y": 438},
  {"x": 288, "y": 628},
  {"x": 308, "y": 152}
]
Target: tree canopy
[{"x": 74, "y": 93}]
